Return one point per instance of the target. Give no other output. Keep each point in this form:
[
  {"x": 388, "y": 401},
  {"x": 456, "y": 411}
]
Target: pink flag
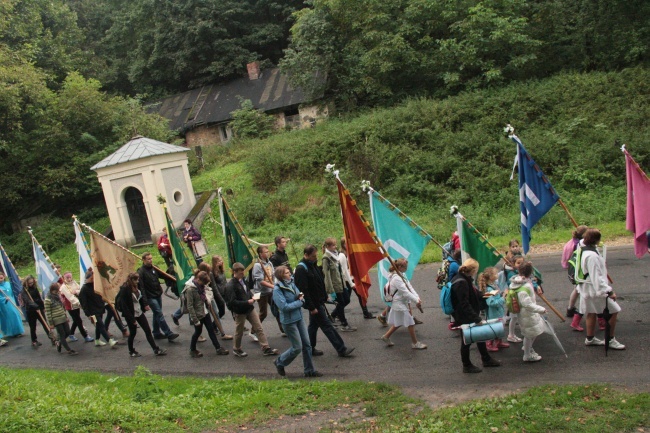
[{"x": 638, "y": 205}]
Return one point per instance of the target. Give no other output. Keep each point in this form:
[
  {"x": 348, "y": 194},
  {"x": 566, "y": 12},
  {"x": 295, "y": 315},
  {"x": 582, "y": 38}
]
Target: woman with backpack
[
  {"x": 466, "y": 301},
  {"x": 132, "y": 303},
  {"x": 402, "y": 294},
  {"x": 595, "y": 292},
  {"x": 195, "y": 300},
  {"x": 567, "y": 254},
  {"x": 290, "y": 300}
]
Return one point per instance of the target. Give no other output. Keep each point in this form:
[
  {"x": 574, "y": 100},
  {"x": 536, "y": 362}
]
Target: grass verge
[{"x": 41, "y": 400}]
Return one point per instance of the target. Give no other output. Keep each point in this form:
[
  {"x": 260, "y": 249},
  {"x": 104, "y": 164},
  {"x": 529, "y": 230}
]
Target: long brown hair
[
  {"x": 486, "y": 278},
  {"x": 132, "y": 281},
  {"x": 217, "y": 269}
]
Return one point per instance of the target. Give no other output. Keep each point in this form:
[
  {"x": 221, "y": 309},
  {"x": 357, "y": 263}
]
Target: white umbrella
[{"x": 548, "y": 329}]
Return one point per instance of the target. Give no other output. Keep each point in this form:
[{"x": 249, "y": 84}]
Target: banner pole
[
  {"x": 372, "y": 233},
  {"x": 90, "y": 229}
]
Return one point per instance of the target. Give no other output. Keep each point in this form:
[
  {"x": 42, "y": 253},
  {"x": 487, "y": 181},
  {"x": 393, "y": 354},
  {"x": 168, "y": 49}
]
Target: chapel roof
[{"x": 138, "y": 148}]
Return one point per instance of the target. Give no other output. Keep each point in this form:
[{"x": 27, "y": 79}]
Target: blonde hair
[
  {"x": 469, "y": 267},
  {"x": 486, "y": 277},
  {"x": 398, "y": 263}
]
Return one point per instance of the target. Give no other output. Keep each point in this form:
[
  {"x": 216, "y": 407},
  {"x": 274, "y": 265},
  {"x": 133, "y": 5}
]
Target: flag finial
[
  {"x": 623, "y": 149},
  {"x": 453, "y": 210},
  {"x": 330, "y": 169},
  {"x": 365, "y": 185},
  {"x": 509, "y": 129}
]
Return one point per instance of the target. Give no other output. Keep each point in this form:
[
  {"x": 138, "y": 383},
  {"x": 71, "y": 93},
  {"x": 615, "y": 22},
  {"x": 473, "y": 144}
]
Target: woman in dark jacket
[
  {"x": 34, "y": 304},
  {"x": 133, "y": 303},
  {"x": 466, "y": 300}
]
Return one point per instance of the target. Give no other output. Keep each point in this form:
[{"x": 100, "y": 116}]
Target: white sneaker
[
  {"x": 112, "y": 343},
  {"x": 253, "y": 337},
  {"x": 533, "y": 357},
  {"x": 514, "y": 339},
  {"x": 99, "y": 343},
  {"x": 613, "y": 344},
  {"x": 3, "y": 342},
  {"x": 387, "y": 341},
  {"x": 594, "y": 342},
  {"x": 419, "y": 346}
]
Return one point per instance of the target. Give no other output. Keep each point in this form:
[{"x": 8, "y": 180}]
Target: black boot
[
  {"x": 367, "y": 314},
  {"x": 471, "y": 368}
]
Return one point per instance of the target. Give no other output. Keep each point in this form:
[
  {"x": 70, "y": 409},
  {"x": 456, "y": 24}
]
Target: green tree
[
  {"x": 169, "y": 46},
  {"x": 247, "y": 122}
]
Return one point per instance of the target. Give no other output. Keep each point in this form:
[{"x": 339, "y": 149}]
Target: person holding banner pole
[
  {"x": 33, "y": 302},
  {"x": 69, "y": 292},
  {"x": 93, "y": 305},
  {"x": 150, "y": 285}
]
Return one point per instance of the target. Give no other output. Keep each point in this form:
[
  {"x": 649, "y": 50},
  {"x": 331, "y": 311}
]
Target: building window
[
  {"x": 292, "y": 119},
  {"x": 178, "y": 197},
  {"x": 225, "y": 132}
]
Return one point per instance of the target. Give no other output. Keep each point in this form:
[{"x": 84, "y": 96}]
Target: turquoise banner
[{"x": 402, "y": 238}]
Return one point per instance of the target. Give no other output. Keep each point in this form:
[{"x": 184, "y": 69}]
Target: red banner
[{"x": 363, "y": 251}]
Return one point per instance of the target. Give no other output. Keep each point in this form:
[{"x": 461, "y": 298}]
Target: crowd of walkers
[{"x": 508, "y": 296}]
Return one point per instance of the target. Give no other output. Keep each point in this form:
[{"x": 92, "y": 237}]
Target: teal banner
[{"x": 401, "y": 236}]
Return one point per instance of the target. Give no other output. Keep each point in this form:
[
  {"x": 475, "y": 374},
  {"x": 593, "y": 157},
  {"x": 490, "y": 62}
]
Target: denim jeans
[
  {"x": 100, "y": 329},
  {"x": 321, "y": 321},
  {"x": 159, "y": 325},
  {"x": 299, "y": 338}
]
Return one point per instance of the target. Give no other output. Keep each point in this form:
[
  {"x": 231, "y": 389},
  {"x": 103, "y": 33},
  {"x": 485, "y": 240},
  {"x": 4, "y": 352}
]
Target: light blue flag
[
  {"x": 10, "y": 272},
  {"x": 45, "y": 274},
  {"x": 401, "y": 236},
  {"x": 83, "y": 249}
]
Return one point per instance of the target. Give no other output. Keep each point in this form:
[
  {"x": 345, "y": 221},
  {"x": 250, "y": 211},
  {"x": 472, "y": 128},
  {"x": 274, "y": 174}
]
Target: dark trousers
[
  {"x": 32, "y": 318},
  {"x": 100, "y": 329},
  {"x": 199, "y": 329},
  {"x": 63, "y": 330},
  {"x": 342, "y": 301},
  {"x": 110, "y": 314},
  {"x": 75, "y": 315},
  {"x": 464, "y": 352},
  {"x": 320, "y": 320},
  {"x": 144, "y": 325}
]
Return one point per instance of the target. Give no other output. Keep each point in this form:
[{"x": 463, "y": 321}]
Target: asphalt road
[{"x": 434, "y": 374}]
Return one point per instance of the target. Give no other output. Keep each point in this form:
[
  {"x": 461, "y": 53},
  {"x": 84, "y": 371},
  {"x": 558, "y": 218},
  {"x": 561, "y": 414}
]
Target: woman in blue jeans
[{"x": 289, "y": 300}]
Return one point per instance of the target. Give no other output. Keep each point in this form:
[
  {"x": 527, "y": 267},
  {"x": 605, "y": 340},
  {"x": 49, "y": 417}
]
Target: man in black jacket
[
  {"x": 241, "y": 304},
  {"x": 150, "y": 286},
  {"x": 93, "y": 305},
  {"x": 280, "y": 257},
  {"x": 311, "y": 283}
]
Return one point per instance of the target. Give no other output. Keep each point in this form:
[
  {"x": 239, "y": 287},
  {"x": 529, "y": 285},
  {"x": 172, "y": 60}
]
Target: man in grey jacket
[{"x": 264, "y": 282}]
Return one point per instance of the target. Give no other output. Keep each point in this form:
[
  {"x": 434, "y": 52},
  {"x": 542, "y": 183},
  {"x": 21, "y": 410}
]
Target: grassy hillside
[{"x": 426, "y": 155}]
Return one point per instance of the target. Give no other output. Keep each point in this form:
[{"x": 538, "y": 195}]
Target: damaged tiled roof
[
  {"x": 138, "y": 148},
  {"x": 214, "y": 103}
]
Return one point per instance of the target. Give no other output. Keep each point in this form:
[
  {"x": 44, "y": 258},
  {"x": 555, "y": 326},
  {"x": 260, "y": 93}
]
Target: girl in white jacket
[
  {"x": 530, "y": 321},
  {"x": 400, "y": 314}
]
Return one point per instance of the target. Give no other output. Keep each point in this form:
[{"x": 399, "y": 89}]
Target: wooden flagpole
[
  {"x": 366, "y": 224},
  {"x": 496, "y": 253},
  {"x": 634, "y": 163}
]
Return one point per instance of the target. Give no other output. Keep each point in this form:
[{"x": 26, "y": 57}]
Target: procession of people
[{"x": 318, "y": 279}]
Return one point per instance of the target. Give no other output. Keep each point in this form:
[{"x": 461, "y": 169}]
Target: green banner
[
  {"x": 474, "y": 244},
  {"x": 182, "y": 265},
  {"x": 239, "y": 249}
]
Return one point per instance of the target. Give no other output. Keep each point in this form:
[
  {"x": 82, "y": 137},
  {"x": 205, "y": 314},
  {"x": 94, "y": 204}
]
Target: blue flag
[
  {"x": 536, "y": 195},
  {"x": 12, "y": 275},
  {"x": 45, "y": 274},
  {"x": 402, "y": 238}
]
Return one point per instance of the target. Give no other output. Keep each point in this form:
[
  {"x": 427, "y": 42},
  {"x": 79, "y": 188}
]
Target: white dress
[
  {"x": 400, "y": 314},
  {"x": 595, "y": 289}
]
